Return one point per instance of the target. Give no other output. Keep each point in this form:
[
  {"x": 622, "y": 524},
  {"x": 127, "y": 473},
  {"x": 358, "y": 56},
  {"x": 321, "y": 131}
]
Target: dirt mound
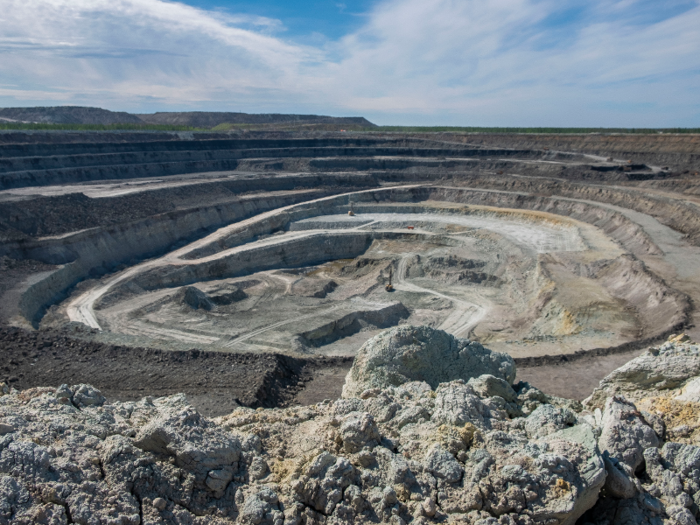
[
  {"x": 216, "y": 382},
  {"x": 318, "y": 288}
]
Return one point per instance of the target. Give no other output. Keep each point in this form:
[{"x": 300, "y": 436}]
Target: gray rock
[
  {"x": 195, "y": 445},
  {"x": 691, "y": 391},
  {"x": 409, "y": 353},
  {"x": 259, "y": 507},
  {"x": 625, "y": 434},
  {"x": 87, "y": 396},
  {"x": 670, "y": 366},
  {"x": 358, "y": 430},
  {"x": 681, "y": 515},
  {"x": 218, "y": 480},
  {"x": 442, "y": 464},
  {"x": 64, "y": 394},
  {"x": 619, "y": 482},
  {"x": 457, "y": 404},
  {"x": 684, "y": 459},
  {"x": 487, "y": 385},
  {"x": 258, "y": 468},
  {"x": 547, "y": 419}
]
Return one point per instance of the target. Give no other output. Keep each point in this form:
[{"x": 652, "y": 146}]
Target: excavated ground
[{"x": 569, "y": 253}]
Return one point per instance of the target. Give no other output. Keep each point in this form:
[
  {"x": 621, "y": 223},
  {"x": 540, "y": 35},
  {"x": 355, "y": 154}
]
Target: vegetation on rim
[{"x": 20, "y": 126}]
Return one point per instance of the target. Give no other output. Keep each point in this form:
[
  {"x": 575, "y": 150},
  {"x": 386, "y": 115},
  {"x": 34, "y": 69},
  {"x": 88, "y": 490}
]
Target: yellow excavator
[{"x": 389, "y": 287}]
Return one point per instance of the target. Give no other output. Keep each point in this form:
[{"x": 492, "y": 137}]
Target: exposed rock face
[
  {"x": 649, "y": 448},
  {"x": 482, "y": 451},
  {"x": 406, "y": 453},
  {"x": 670, "y": 366},
  {"x": 409, "y": 353}
]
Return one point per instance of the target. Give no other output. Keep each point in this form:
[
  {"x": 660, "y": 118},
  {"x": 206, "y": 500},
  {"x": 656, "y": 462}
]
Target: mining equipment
[
  {"x": 351, "y": 213},
  {"x": 389, "y": 287}
]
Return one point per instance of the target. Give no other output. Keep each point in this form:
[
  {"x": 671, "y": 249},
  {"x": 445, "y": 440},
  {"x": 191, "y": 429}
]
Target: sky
[{"x": 573, "y": 63}]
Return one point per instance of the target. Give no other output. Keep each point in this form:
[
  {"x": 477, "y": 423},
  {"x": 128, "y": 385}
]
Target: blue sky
[
  {"x": 305, "y": 20},
  {"x": 632, "y": 63}
]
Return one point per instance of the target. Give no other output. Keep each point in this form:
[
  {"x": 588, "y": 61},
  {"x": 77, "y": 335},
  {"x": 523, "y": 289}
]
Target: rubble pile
[{"x": 453, "y": 442}]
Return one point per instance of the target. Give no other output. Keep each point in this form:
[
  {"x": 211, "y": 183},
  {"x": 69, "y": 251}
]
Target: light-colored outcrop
[
  {"x": 403, "y": 454},
  {"x": 648, "y": 438},
  {"x": 666, "y": 368},
  {"x": 409, "y": 353},
  {"x": 407, "y": 452},
  {"x": 482, "y": 451}
]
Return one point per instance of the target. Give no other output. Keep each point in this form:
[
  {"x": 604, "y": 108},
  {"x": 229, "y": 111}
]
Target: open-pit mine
[
  {"x": 368, "y": 328},
  {"x": 306, "y": 245}
]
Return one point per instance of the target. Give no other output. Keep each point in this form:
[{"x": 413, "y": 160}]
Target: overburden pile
[{"x": 430, "y": 429}]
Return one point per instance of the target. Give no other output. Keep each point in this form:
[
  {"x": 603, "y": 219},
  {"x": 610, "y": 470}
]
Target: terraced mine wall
[
  {"x": 318, "y": 160},
  {"x": 616, "y": 225},
  {"x": 127, "y": 143},
  {"x": 100, "y": 250},
  {"x": 94, "y": 252},
  {"x": 22, "y": 220},
  {"x": 681, "y": 215},
  {"x": 23, "y": 165},
  {"x": 678, "y": 151},
  {"x": 306, "y": 251}
]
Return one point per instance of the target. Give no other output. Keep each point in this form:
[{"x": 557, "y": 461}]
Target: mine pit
[
  {"x": 270, "y": 246},
  {"x": 301, "y": 291}
]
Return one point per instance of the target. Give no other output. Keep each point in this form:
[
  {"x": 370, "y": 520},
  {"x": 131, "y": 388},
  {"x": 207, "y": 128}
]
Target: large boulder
[
  {"x": 409, "y": 353},
  {"x": 648, "y": 431},
  {"x": 667, "y": 367},
  {"x": 625, "y": 434}
]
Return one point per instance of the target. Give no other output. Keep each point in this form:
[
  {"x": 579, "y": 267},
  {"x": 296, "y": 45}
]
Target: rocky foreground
[{"x": 430, "y": 429}]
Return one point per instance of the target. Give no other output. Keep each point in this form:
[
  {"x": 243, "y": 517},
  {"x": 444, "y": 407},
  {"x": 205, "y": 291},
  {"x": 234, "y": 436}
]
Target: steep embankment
[
  {"x": 677, "y": 151},
  {"x": 101, "y": 250}
]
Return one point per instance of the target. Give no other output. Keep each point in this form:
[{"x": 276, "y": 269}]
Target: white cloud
[{"x": 459, "y": 62}]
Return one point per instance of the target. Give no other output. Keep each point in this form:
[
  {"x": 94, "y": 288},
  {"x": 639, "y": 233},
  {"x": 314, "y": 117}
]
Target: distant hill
[
  {"x": 68, "y": 115},
  {"x": 206, "y": 119},
  {"x": 194, "y": 119}
]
